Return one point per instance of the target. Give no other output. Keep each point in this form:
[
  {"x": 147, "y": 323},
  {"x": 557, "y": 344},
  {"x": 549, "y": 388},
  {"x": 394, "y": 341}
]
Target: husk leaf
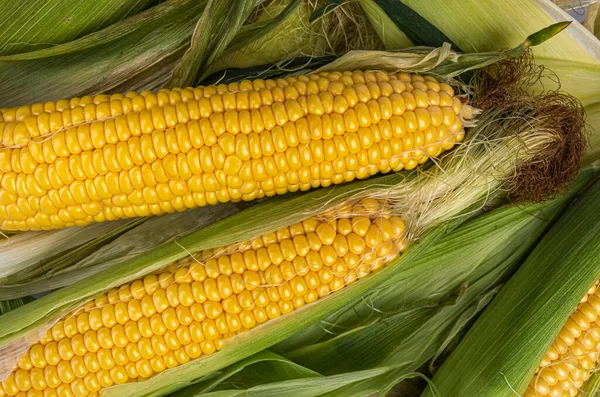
[
  {"x": 103, "y": 250},
  {"x": 390, "y": 35},
  {"x": 220, "y": 22},
  {"x": 116, "y": 64},
  {"x": 35, "y": 24},
  {"x": 501, "y": 352},
  {"x": 18, "y": 257}
]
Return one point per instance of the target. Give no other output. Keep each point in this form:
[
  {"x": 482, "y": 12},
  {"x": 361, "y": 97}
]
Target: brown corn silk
[
  {"x": 93, "y": 159},
  {"x": 573, "y": 355},
  {"x": 195, "y": 306}
]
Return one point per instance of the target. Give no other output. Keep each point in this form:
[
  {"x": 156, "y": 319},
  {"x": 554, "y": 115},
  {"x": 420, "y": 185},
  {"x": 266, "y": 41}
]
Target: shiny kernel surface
[
  {"x": 185, "y": 311},
  {"x": 102, "y": 158},
  {"x": 573, "y": 356}
]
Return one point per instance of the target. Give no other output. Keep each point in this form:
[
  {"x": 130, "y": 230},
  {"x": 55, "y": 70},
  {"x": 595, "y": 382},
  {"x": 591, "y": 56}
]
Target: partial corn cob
[
  {"x": 194, "y": 306},
  {"x": 574, "y": 354},
  {"x": 101, "y": 158}
]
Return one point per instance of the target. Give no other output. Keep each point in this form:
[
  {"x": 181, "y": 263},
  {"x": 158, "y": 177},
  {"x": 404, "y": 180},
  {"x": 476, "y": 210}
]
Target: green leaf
[
  {"x": 439, "y": 61},
  {"x": 389, "y": 33},
  {"x": 147, "y": 20},
  {"x": 35, "y": 24},
  {"x": 107, "y": 247},
  {"x": 418, "y": 29},
  {"x": 323, "y": 10},
  {"x": 501, "y": 352},
  {"x": 218, "y": 25},
  {"x": 9, "y": 305},
  {"x": 118, "y": 65}
]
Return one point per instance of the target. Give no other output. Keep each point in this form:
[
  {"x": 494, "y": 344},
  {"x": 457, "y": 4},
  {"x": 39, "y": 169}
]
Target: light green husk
[
  {"x": 283, "y": 30},
  {"x": 17, "y": 255},
  {"x": 501, "y": 352},
  {"x": 66, "y": 256},
  {"x": 591, "y": 387},
  {"x": 35, "y": 24},
  {"x": 389, "y": 34}
]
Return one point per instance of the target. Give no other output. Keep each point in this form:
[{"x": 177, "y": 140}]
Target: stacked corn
[
  {"x": 93, "y": 159},
  {"x": 195, "y": 305}
]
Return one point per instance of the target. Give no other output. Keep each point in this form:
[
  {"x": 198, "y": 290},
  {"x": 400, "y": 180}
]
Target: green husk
[
  {"x": 220, "y": 22},
  {"x": 35, "y": 24},
  {"x": 390, "y": 35},
  {"x": 280, "y": 31},
  {"x": 442, "y": 61},
  {"x": 284, "y": 30},
  {"x": 17, "y": 257},
  {"x": 591, "y": 387},
  {"x": 107, "y": 246},
  {"x": 119, "y": 64},
  {"x": 501, "y": 352}
]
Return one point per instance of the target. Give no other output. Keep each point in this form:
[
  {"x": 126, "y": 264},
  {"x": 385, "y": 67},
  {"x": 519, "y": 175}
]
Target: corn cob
[
  {"x": 103, "y": 158},
  {"x": 574, "y": 354},
  {"x": 193, "y": 307}
]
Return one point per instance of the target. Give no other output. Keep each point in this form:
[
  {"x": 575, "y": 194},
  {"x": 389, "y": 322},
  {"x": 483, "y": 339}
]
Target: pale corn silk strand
[
  {"x": 573, "y": 356},
  {"x": 195, "y": 306},
  {"x": 102, "y": 158}
]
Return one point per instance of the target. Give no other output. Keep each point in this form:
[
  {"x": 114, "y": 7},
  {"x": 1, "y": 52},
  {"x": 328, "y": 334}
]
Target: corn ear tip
[{"x": 547, "y": 33}]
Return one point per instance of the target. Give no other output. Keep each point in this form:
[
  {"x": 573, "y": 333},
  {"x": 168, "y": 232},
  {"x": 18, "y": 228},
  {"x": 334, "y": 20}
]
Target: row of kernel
[
  {"x": 303, "y": 85},
  {"x": 118, "y": 117},
  {"x": 83, "y": 173},
  {"x": 117, "y": 186},
  {"x": 159, "y": 144},
  {"x": 122, "y": 195},
  {"x": 106, "y": 129},
  {"x": 316, "y": 175},
  {"x": 90, "y": 164}
]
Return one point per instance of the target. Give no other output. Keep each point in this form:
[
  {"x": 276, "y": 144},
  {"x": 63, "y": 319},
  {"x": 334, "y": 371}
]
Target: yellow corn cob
[
  {"x": 192, "y": 308},
  {"x": 102, "y": 158},
  {"x": 574, "y": 354}
]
